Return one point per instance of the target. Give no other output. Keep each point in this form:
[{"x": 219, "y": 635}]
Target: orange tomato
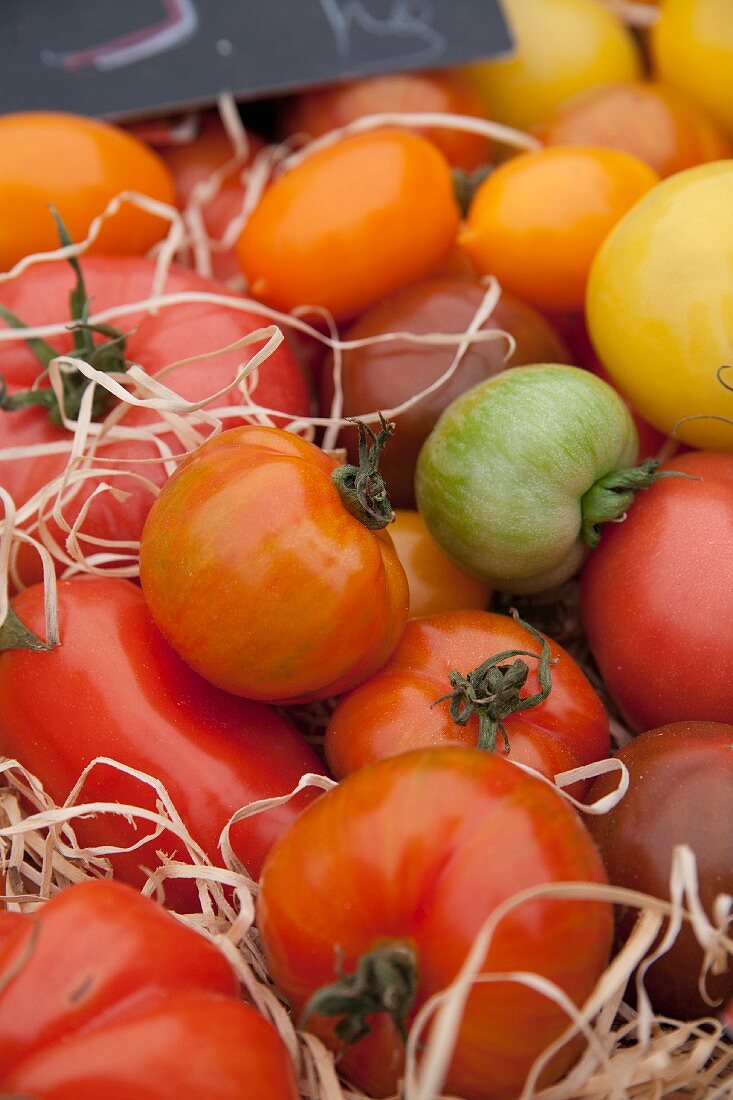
[
  {"x": 435, "y": 583},
  {"x": 539, "y": 219},
  {"x": 78, "y": 164},
  {"x": 655, "y": 123},
  {"x": 351, "y": 223},
  {"x": 322, "y": 109}
]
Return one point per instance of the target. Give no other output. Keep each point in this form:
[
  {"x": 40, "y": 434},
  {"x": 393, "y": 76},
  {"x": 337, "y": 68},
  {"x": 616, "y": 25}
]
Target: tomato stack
[{"x": 367, "y": 582}]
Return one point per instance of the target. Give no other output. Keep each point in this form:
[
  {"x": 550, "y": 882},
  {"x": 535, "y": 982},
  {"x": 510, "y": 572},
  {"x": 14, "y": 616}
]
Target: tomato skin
[
  {"x": 117, "y": 999},
  {"x": 78, "y": 164},
  {"x": 318, "y": 110},
  {"x": 126, "y": 695},
  {"x": 657, "y": 598},
  {"x": 539, "y": 219},
  {"x": 434, "y": 581},
  {"x": 394, "y": 711},
  {"x": 680, "y": 791},
  {"x": 351, "y": 223},
  {"x": 398, "y": 851},
  {"x": 260, "y": 578},
  {"x": 383, "y": 376}
]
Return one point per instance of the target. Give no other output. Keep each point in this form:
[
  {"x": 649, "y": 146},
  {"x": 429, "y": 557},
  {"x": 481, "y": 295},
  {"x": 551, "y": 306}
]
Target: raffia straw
[{"x": 641, "y": 16}]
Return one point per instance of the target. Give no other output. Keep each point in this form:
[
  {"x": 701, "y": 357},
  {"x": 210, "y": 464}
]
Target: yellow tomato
[
  {"x": 692, "y": 49},
  {"x": 78, "y": 164},
  {"x": 435, "y": 583},
  {"x": 660, "y": 304},
  {"x": 563, "y": 46}
]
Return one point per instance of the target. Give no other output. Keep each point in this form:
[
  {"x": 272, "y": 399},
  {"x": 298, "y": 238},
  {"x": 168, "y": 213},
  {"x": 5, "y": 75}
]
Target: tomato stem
[
  {"x": 611, "y": 496},
  {"x": 466, "y": 184},
  {"x": 361, "y": 488},
  {"x": 492, "y": 691},
  {"x": 15, "y": 635},
  {"x": 385, "y": 980}
]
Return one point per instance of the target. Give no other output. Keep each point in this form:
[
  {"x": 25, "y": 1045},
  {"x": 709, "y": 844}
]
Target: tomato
[
  {"x": 405, "y": 855},
  {"x": 562, "y": 47},
  {"x": 655, "y": 123},
  {"x": 351, "y": 223},
  {"x": 519, "y": 471},
  {"x": 115, "y": 688},
  {"x": 318, "y": 110},
  {"x": 657, "y": 598},
  {"x": 680, "y": 792},
  {"x": 259, "y": 572},
  {"x": 435, "y": 583},
  {"x": 106, "y": 995},
  {"x": 395, "y": 710},
  {"x": 539, "y": 219},
  {"x": 658, "y": 304},
  {"x": 384, "y": 375},
  {"x": 692, "y": 49},
  {"x": 41, "y": 296},
  {"x": 78, "y": 164}
]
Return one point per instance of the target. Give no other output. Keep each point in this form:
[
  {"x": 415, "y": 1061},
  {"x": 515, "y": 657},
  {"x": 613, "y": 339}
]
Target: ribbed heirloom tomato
[
  {"x": 105, "y": 996},
  {"x": 267, "y": 566}
]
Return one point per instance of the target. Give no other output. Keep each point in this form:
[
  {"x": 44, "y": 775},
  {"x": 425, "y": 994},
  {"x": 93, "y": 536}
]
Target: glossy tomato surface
[
  {"x": 407, "y": 852},
  {"x": 657, "y": 598},
  {"x": 351, "y": 223},
  {"x": 115, "y": 688},
  {"x": 261, "y": 578},
  {"x": 111, "y": 998},
  {"x": 396, "y": 710},
  {"x": 385, "y": 375},
  {"x": 78, "y": 164},
  {"x": 680, "y": 792}
]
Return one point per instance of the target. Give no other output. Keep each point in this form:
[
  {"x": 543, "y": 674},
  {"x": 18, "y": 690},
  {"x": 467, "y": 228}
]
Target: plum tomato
[
  {"x": 350, "y": 223},
  {"x": 657, "y": 598},
  {"x": 395, "y": 871},
  {"x": 680, "y": 792},
  {"x": 435, "y": 583},
  {"x": 448, "y": 657},
  {"x": 384, "y": 375},
  {"x": 537, "y": 222}
]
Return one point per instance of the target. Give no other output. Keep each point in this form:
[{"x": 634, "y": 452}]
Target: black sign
[{"x": 132, "y": 57}]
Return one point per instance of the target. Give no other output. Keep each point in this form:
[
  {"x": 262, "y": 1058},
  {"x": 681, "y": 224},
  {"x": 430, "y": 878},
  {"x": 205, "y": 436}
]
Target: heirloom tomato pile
[{"x": 366, "y": 581}]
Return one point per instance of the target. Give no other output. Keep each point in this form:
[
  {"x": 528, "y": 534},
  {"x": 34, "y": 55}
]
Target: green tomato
[{"x": 519, "y": 471}]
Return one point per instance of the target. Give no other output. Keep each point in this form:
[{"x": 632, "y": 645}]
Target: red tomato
[
  {"x": 106, "y": 995},
  {"x": 262, "y": 578},
  {"x": 319, "y": 110},
  {"x": 115, "y": 688},
  {"x": 414, "y": 854},
  {"x": 680, "y": 792},
  {"x": 435, "y": 583},
  {"x": 657, "y": 598},
  {"x": 395, "y": 710},
  {"x": 41, "y": 296}
]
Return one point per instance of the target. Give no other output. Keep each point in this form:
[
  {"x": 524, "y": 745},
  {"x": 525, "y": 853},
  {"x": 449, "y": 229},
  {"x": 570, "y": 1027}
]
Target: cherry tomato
[
  {"x": 539, "y": 219},
  {"x": 434, "y": 581},
  {"x": 692, "y": 49},
  {"x": 78, "y": 164},
  {"x": 562, "y": 47},
  {"x": 680, "y": 792},
  {"x": 351, "y": 223},
  {"x": 658, "y": 305},
  {"x": 405, "y": 856},
  {"x": 395, "y": 710},
  {"x": 384, "y": 375},
  {"x": 653, "y": 122},
  {"x": 115, "y": 688},
  {"x": 319, "y": 110},
  {"x": 258, "y": 571},
  {"x": 41, "y": 296},
  {"x": 657, "y": 598},
  {"x": 106, "y": 995}
]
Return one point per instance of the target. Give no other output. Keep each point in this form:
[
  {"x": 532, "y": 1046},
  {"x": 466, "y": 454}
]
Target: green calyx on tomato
[
  {"x": 108, "y": 356},
  {"x": 492, "y": 690},
  {"x": 609, "y": 497},
  {"x": 361, "y": 488},
  {"x": 466, "y": 184},
  {"x": 385, "y": 980},
  {"x": 15, "y": 635}
]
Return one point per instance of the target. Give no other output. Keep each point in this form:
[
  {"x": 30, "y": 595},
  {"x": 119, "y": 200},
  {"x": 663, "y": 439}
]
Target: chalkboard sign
[{"x": 135, "y": 57}]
